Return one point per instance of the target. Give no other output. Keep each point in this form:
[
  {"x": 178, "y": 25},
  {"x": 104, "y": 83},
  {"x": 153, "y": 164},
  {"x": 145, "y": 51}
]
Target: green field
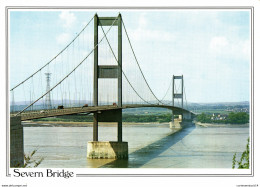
[{"x": 160, "y": 118}]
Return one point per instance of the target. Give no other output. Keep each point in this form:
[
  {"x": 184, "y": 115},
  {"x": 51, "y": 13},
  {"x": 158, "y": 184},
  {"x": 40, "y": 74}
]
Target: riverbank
[
  {"x": 80, "y": 124},
  {"x": 206, "y": 125}
]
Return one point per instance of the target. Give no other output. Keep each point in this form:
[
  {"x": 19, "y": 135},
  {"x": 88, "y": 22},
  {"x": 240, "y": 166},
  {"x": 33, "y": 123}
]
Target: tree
[
  {"x": 243, "y": 163},
  {"x": 238, "y": 118},
  {"x": 203, "y": 118},
  {"x": 29, "y": 161}
]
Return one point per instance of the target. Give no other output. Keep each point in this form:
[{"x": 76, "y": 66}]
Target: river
[{"x": 150, "y": 146}]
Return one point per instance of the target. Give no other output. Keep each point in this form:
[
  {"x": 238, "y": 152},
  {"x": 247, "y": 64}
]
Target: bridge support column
[
  {"x": 95, "y": 127},
  {"x": 119, "y": 128},
  {"x": 16, "y": 142},
  {"x": 187, "y": 115}
]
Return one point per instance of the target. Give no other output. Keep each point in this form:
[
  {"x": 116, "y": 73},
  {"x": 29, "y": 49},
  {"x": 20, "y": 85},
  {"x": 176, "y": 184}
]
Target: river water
[{"x": 150, "y": 146}]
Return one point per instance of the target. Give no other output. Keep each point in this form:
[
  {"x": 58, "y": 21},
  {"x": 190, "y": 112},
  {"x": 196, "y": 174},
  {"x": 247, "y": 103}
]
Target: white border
[{"x": 208, "y": 180}]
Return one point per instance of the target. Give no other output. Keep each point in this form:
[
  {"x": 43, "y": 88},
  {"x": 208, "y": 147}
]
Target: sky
[{"x": 210, "y": 48}]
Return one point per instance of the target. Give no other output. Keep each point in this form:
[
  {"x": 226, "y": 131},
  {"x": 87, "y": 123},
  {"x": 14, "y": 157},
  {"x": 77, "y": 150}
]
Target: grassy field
[{"x": 160, "y": 118}]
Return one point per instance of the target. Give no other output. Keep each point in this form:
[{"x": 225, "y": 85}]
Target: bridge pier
[
  {"x": 185, "y": 118},
  {"x": 107, "y": 149},
  {"x": 176, "y": 123},
  {"x": 16, "y": 142}
]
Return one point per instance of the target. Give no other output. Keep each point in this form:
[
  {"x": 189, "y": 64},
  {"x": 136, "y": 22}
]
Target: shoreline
[
  {"x": 114, "y": 124},
  {"x": 206, "y": 125},
  {"x": 81, "y": 124}
]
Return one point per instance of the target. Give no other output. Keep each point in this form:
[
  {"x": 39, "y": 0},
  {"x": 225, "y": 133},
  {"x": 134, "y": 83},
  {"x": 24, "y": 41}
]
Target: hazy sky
[{"x": 210, "y": 48}]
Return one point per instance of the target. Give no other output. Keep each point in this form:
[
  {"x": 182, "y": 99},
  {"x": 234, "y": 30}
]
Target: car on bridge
[
  {"x": 85, "y": 105},
  {"x": 60, "y": 107}
]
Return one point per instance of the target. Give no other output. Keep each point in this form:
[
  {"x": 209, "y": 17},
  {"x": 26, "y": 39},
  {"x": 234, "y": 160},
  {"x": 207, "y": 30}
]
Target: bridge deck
[{"x": 29, "y": 115}]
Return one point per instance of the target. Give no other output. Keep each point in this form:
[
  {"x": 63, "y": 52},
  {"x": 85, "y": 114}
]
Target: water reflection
[{"x": 142, "y": 156}]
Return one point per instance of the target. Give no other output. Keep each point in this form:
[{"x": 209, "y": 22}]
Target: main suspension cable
[
  {"x": 138, "y": 63},
  {"x": 53, "y": 57},
  {"x": 122, "y": 68},
  {"x": 167, "y": 90},
  {"x": 185, "y": 96},
  {"x": 70, "y": 72}
]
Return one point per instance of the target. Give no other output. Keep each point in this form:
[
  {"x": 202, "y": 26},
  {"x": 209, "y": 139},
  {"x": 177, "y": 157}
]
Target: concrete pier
[
  {"x": 108, "y": 149},
  {"x": 16, "y": 142},
  {"x": 176, "y": 124}
]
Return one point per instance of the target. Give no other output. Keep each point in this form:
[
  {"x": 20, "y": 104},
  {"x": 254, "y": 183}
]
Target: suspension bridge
[{"x": 72, "y": 87}]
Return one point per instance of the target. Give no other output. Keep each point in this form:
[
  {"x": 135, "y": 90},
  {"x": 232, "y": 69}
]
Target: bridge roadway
[{"x": 29, "y": 115}]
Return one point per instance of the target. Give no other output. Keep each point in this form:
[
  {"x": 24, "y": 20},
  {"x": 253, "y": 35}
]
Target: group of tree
[
  {"x": 232, "y": 118},
  {"x": 238, "y": 118},
  {"x": 137, "y": 118}
]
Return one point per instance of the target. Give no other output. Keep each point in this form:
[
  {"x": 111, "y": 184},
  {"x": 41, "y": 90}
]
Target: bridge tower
[
  {"x": 177, "y": 95},
  {"x": 95, "y": 148},
  {"x": 184, "y": 115}
]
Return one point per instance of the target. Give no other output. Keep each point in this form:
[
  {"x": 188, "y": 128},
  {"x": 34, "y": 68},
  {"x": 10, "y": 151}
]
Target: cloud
[
  {"x": 233, "y": 48},
  {"x": 218, "y": 42},
  {"x": 63, "y": 38},
  {"x": 68, "y": 18},
  {"x": 143, "y": 33},
  {"x": 246, "y": 48},
  {"x": 142, "y": 22},
  {"x": 152, "y": 35}
]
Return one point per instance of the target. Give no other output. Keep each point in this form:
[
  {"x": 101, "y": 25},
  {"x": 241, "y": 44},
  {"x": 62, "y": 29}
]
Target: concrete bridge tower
[
  {"x": 183, "y": 115},
  {"x": 97, "y": 149},
  {"x": 174, "y": 94},
  {"x": 176, "y": 123}
]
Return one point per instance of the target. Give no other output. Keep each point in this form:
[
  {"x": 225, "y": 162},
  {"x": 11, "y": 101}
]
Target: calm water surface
[{"x": 150, "y": 146}]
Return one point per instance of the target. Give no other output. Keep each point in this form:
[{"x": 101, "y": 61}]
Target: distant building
[{"x": 218, "y": 116}]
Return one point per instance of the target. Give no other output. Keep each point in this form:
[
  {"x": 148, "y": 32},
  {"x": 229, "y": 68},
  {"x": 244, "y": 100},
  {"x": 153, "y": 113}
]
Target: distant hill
[
  {"x": 220, "y": 103},
  {"x": 227, "y": 106}
]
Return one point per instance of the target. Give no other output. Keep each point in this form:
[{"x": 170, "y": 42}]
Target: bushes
[
  {"x": 147, "y": 118},
  {"x": 29, "y": 161},
  {"x": 243, "y": 163}
]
